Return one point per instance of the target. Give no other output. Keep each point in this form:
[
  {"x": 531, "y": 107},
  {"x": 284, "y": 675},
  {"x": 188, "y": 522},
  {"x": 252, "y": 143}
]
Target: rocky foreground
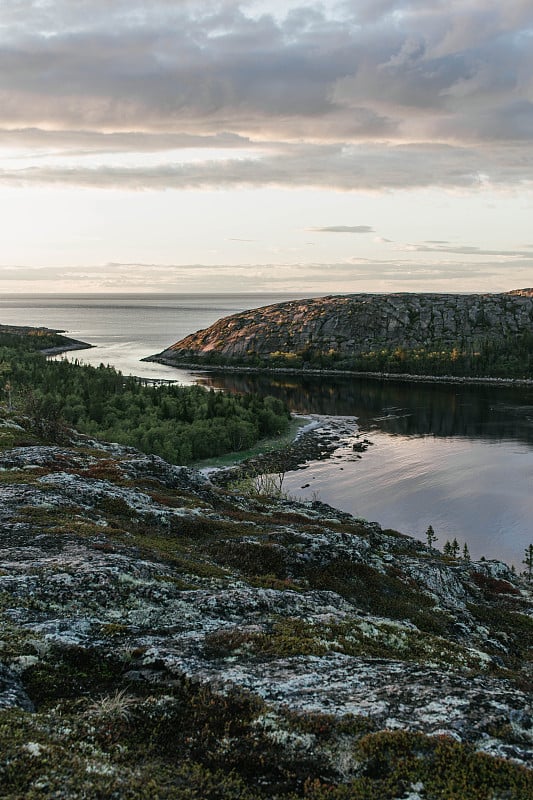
[
  {"x": 165, "y": 638},
  {"x": 347, "y": 325}
]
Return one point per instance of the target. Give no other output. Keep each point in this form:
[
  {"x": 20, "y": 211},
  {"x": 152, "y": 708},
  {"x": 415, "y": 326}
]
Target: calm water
[
  {"x": 458, "y": 458},
  {"x": 455, "y": 457},
  {"x": 126, "y": 328}
]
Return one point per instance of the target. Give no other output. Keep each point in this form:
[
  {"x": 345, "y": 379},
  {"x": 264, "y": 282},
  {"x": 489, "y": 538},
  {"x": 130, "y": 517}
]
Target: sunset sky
[{"x": 266, "y": 145}]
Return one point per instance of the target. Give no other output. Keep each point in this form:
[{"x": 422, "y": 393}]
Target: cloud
[
  {"x": 358, "y": 167},
  {"x": 465, "y": 250},
  {"x": 354, "y": 275},
  {"x": 343, "y": 229},
  {"x": 398, "y": 80}
]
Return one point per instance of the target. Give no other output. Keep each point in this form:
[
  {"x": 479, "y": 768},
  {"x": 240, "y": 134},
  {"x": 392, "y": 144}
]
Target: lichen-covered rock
[
  {"x": 12, "y": 694},
  {"x": 139, "y": 602}
]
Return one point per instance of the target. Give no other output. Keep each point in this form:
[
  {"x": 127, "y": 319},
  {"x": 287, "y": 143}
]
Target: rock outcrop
[
  {"x": 352, "y": 324},
  {"x": 163, "y": 637}
]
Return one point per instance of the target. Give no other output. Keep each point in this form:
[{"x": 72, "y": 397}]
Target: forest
[
  {"x": 506, "y": 358},
  {"x": 181, "y": 424}
]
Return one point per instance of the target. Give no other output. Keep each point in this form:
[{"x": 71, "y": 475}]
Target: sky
[{"x": 266, "y": 146}]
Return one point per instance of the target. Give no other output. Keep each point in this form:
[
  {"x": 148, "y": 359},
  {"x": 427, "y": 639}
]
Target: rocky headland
[
  {"x": 163, "y": 637},
  {"x": 414, "y": 330}
]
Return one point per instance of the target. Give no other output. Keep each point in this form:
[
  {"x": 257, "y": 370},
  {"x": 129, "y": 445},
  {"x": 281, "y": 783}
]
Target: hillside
[
  {"x": 166, "y": 638},
  {"x": 480, "y": 334}
]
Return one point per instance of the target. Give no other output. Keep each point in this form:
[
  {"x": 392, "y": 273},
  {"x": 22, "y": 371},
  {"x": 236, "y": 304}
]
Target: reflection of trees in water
[{"x": 399, "y": 407}]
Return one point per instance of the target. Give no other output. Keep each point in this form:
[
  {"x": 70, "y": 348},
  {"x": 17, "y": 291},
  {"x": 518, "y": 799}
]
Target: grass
[{"x": 269, "y": 445}]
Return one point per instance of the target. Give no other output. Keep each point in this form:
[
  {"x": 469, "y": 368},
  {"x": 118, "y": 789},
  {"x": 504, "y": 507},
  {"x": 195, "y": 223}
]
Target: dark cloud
[{"x": 129, "y": 76}]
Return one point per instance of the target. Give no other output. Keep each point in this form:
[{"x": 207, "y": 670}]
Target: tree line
[{"x": 510, "y": 357}]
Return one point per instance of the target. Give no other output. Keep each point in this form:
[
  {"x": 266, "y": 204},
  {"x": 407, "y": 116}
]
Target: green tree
[
  {"x": 431, "y": 538},
  {"x": 528, "y": 561}
]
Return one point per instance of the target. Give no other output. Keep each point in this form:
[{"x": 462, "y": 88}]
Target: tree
[
  {"x": 466, "y": 552},
  {"x": 528, "y": 561},
  {"x": 431, "y": 538}
]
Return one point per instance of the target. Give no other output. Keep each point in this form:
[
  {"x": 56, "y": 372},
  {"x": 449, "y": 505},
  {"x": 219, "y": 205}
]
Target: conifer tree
[
  {"x": 431, "y": 538},
  {"x": 528, "y": 561}
]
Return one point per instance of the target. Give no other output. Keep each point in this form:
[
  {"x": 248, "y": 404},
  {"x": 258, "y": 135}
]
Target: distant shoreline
[
  {"x": 55, "y": 351},
  {"x": 385, "y": 376}
]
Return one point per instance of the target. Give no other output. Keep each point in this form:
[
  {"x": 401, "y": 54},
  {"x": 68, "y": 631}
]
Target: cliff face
[{"x": 352, "y": 324}]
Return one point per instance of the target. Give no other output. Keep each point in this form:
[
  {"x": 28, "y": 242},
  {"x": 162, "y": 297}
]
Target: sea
[{"x": 457, "y": 457}]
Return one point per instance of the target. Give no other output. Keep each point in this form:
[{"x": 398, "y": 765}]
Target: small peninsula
[{"x": 463, "y": 335}]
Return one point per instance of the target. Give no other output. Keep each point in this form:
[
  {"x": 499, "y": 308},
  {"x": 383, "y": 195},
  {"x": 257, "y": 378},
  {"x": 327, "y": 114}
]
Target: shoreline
[
  {"x": 74, "y": 344},
  {"x": 404, "y": 377}
]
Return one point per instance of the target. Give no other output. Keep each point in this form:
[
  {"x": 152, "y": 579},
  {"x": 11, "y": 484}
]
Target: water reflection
[
  {"x": 457, "y": 457},
  {"x": 407, "y": 409}
]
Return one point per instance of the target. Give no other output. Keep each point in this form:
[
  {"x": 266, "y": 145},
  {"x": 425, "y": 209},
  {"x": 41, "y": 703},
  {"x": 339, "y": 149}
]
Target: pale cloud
[
  {"x": 347, "y": 168},
  {"x": 354, "y": 275},
  {"x": 468, "y": 250},
  {"x": 343, "y": 229}
]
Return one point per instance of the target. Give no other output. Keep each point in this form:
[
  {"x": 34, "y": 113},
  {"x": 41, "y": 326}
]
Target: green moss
[
  {"x": 514, "y": 631},
  {"x": 21, "y": 476},
  {"x": 293, "y": 636},
  {"x": 252, "y": 559},
  {"x": 380, "y": 593},
  {"x": 59, "y": 520},
  {"x": 191, "y": 744},
  {"x": 72, "y": 671}
]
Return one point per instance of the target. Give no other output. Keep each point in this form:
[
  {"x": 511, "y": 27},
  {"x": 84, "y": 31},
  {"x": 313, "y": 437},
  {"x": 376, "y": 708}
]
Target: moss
[
  {"x": 269, "y": 581},
  {"x": 252, "y": 559},
  {"x": 59, "y": 521},
  {"x": 71, "y": 671},
  {"x": 115, "y": 506},
  {"x": 327, "y": 727},
  {"x": 514, "y": 631},
  {"x": 446, "y": 768},
  {"x": 22, "y": 476},
  {"x": 293, "y": 636},
  {"x": 493, "y": 587},
  {"x": 380, "y": 593},
  {"x": 191, "y": 744}
]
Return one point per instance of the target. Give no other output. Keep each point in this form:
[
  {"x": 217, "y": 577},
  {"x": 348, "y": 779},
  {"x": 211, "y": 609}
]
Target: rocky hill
[
  {"x": 344, "y": 327},
  {"x": 166, "y": 638}
]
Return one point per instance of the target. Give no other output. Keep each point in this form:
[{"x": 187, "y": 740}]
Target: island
[{"x": 474, "y": 336}]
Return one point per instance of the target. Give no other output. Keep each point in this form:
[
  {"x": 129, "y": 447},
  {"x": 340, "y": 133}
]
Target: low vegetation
[{"x": 507, "y": 358}]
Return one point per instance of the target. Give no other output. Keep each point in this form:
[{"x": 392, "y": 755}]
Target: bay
[
  {"x": 456, "y": 457},
  {"x": 124, "y": 328}
]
